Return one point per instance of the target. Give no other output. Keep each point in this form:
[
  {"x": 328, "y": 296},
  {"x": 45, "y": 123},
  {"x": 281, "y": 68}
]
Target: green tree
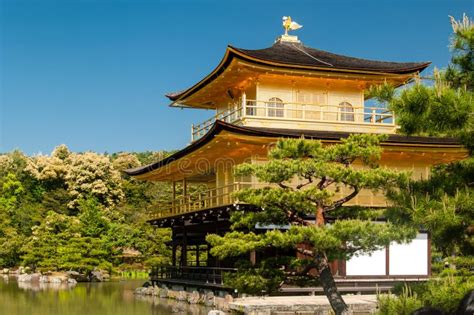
[
  {"x": 306, "y": 179},
  {"x": 12, "y": 190},
  {"x": 55, "y": 231},
  {"x": 75, "y": 210},
  {"x": 10, "y": 239},
  {"x": 22, "y": 215},
  {"x": 63, "y": 242},
  {"x": 92, "y": 175},
  {"x": 443, "y": 203},
  {"x": 92, "y": 218},
  {"x": 444, "y": 108},
  {"x": 84, "y": 254},
  {"x": 460, "y": 72}
]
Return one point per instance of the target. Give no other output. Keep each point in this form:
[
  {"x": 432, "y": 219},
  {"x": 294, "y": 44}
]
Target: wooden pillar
[
  {"x": 197, "y": 255},
  {"x": 334, "y": 265},
  {"x": 209, "y": 261},
  {"x": 244, "y": 104},
  {"x": 173, "y": 255},
  {"x": 342, "y": 267},
  {"x": 225, "y": 197},
  {"x": 184, "y": 250},
  {"x": 185, "y": 193},
  {"x": 174, "y": 197},
  {"x": 183, "y": 255},
  {"x": 429, "y": 253}
]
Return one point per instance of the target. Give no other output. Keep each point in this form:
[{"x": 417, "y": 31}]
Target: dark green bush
[
  {"x": 447, "y": 292},
  {"x": 264, "y": 278},
  {"x": 444, "y": 293}
]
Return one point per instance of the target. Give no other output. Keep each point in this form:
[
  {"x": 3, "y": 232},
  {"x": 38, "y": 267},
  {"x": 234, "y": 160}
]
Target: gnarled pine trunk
[
  {"x": 329, "y": 286},
  {"x": 325, "y": 275}
]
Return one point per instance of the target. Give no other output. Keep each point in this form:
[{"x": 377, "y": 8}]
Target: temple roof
[
  {"x": 221, "y": 127},
  {"x": 297, "y": 56}
]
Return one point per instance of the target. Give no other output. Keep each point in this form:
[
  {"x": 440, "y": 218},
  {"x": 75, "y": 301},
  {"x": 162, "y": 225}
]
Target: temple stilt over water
[{"x": 288, "y": 90}]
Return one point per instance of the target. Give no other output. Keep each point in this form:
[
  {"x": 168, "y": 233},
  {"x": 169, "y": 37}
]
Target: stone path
[{"x": 286, "y": 305}]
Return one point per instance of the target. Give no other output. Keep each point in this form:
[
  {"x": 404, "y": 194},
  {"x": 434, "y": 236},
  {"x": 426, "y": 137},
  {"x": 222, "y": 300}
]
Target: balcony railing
[
  {"x": 228, "y": 116},
  {"x": 299, "y": 112},
  {"x": 211, "y": 275},
  {"x": 223, "y": 196},
  {"x": 210, "y": 198}
]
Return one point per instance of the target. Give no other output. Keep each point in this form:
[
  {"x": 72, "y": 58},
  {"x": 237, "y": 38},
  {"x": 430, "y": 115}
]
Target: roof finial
[{"x": 289, "y": 25}]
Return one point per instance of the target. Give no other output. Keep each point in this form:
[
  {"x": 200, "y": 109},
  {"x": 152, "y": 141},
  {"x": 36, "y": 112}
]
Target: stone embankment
[
  {"x": 206, "y": 298},
  {"x": 278, "y": 305}
]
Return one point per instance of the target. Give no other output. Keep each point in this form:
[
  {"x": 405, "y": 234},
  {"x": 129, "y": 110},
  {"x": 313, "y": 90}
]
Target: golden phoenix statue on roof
[{"x": 290, "y": 25}]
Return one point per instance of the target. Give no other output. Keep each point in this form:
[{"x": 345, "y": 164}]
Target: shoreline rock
[
  {"x": 206, "y": 298},
  {"x": 26, "y": 277},
  {"x": 99, "y": 276},
  {"x": 72, "y": 277}
]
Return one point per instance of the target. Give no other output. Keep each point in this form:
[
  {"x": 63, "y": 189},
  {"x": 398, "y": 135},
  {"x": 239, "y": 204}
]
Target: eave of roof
[
  {"x": 263, "y": 57},
  {"x": 220, "y": 126},
  {"x": 291, "y": 54}
]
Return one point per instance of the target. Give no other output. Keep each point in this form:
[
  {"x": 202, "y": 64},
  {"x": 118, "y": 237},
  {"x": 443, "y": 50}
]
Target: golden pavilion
[{"x": 287, "y": 90}]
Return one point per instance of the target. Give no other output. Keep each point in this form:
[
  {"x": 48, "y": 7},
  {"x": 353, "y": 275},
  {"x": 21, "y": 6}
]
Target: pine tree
[
  {"x": 443, "y": 203},
  {"x": 305, "y": 184}
]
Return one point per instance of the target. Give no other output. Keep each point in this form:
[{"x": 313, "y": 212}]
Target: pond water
[{"x": 114, "y": 298}]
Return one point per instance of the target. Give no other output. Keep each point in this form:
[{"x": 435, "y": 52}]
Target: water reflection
[{"x": 114, "y": 298}]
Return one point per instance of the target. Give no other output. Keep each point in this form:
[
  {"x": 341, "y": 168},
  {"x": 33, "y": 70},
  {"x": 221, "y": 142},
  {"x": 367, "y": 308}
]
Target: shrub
[
  {"x": 404, "y": 304},
  {"x": 443, "y": 293},
  {"x": 256, "y": 280},
  {"x": 446, "y": 293}
]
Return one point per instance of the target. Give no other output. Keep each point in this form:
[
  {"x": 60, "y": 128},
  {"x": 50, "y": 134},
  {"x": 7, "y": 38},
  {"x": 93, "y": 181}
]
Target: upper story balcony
[
  {"x": 223, "y": 195},
  {"x": 275, "y": 113}
]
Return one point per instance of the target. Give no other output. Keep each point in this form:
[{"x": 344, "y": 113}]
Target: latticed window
[
  {"x": 276, "y": 107},
  {"x": 347, "y": 111}
]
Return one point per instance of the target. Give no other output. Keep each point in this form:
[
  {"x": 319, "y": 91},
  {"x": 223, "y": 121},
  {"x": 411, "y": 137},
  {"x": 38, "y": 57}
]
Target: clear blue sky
[{"x": 93, "y": 74}]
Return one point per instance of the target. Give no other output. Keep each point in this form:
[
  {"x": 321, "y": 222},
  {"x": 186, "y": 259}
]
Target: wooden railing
[
  {"x": 222, "y": 196},
  {"x": 300, "y": 112},
  {"x": 214, "y": 275},
  {"x": 210, "y": 198},
  {"x": 228, "y": 116}
]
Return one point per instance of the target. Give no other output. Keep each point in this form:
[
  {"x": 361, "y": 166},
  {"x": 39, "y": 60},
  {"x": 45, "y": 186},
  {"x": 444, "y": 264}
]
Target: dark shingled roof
[
  {"x": 220, "y": 126},
  {"x": 296, "y": 55}
]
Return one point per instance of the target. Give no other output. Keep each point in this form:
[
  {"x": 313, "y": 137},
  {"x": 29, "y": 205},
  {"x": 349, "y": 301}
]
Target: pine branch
[
  {"x": 342, "y": 201},
  {"x": 324, "y": 182},
  {"x": 293, "y": 217},
  {"x": 303, "y": 272},
  {"x": 310, "y": 181}
]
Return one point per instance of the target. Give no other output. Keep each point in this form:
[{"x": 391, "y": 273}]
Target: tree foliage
[
  {"x": 460, "y": 73},
  {"x": 444, "y": 108},
  {"x": 443, "y": 203},
  {"x": 76, "y": 210},
  {"x": 307, "y": 183}
]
